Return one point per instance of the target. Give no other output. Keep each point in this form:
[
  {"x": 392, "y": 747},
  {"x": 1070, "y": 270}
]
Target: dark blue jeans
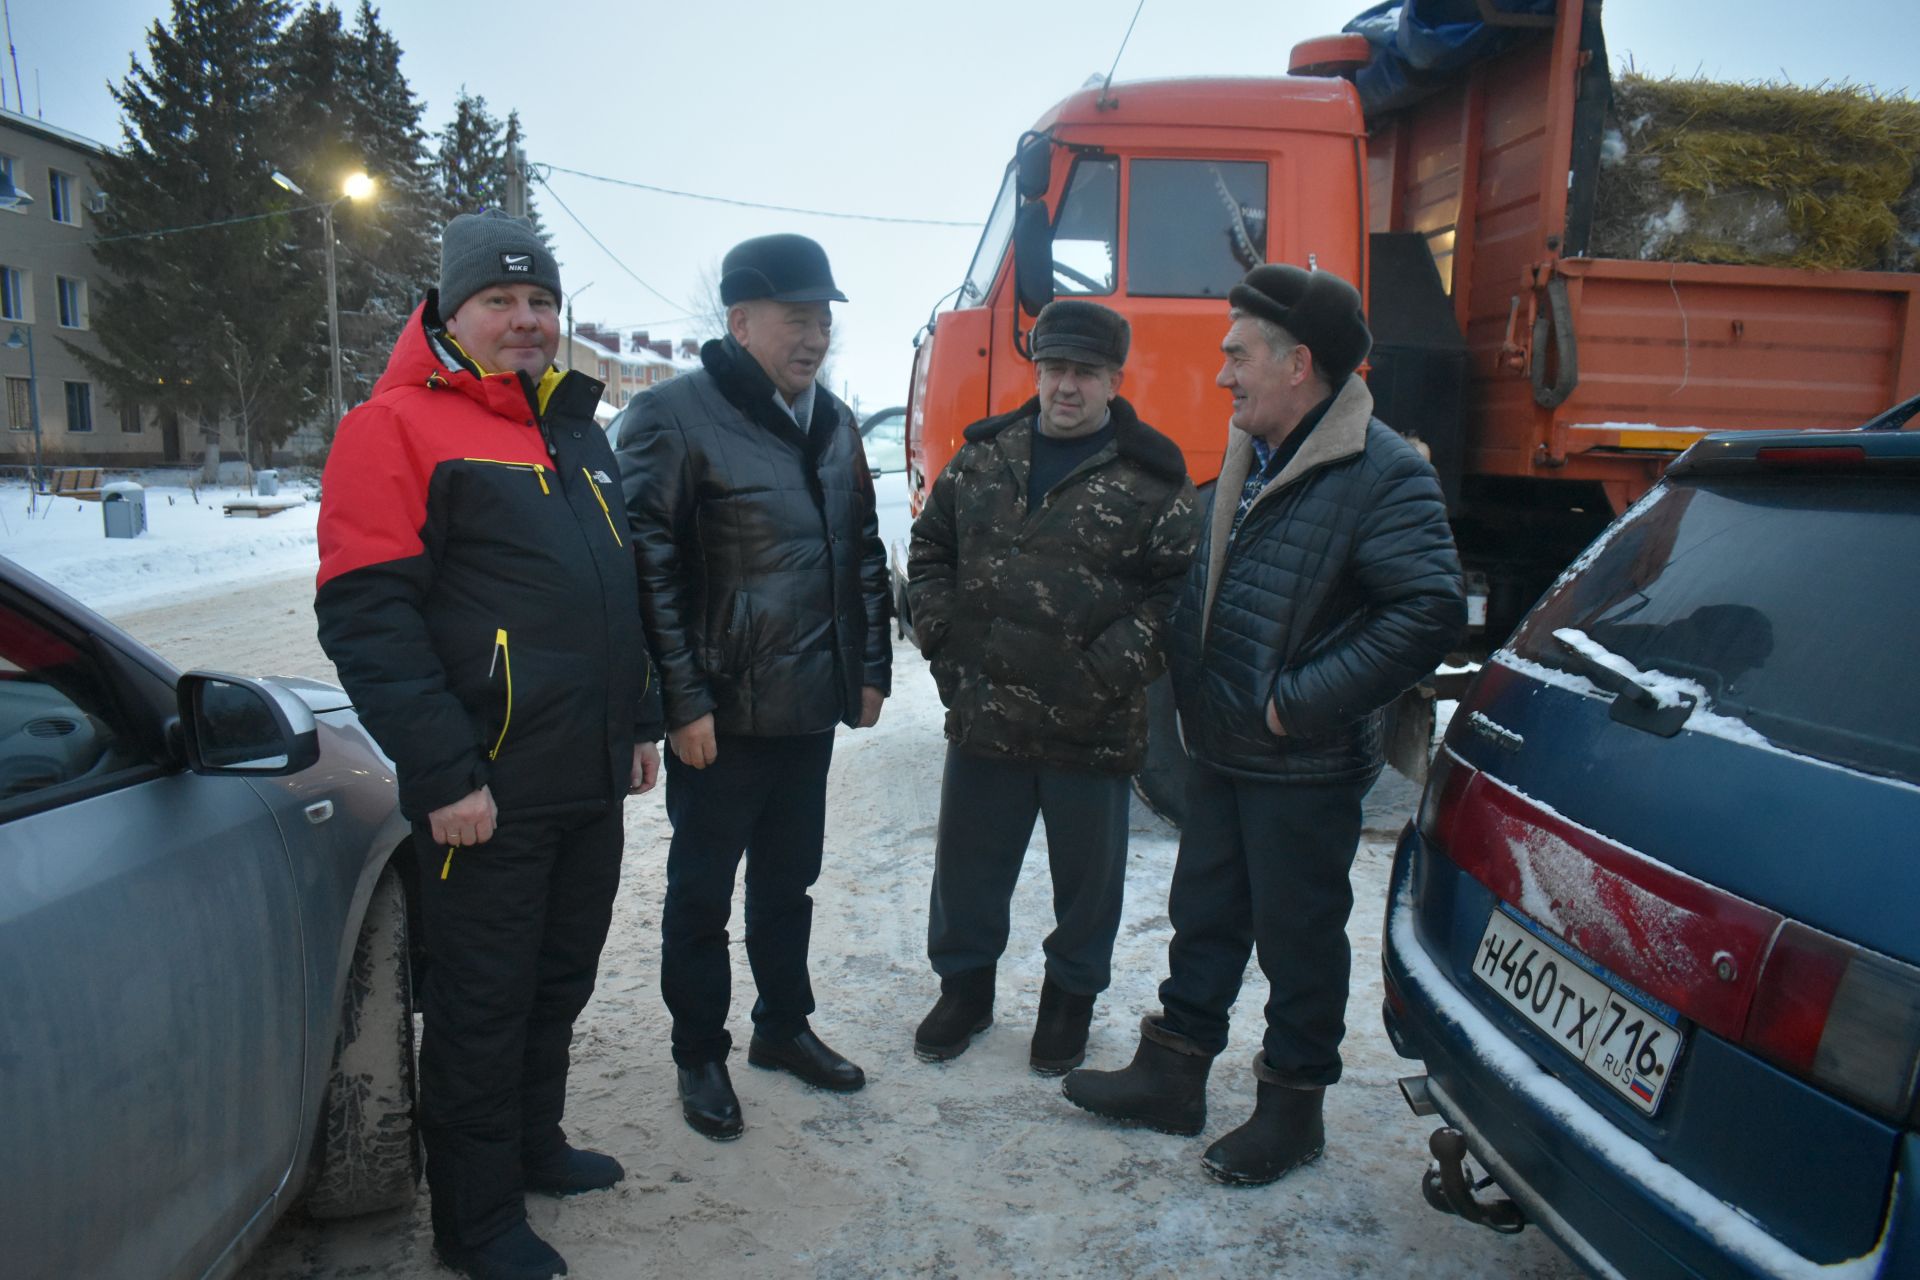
[
  {"x": 987, "y": 809},
  {"x": 765, "y": 798},
  {"x": 1263, "y": 867}
]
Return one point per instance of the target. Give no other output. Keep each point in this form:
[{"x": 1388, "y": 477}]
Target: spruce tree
[
  {"x": 201, "y": 322},
  {"x": 476, "y": 156},
  {"x": 348, "y": 108}
]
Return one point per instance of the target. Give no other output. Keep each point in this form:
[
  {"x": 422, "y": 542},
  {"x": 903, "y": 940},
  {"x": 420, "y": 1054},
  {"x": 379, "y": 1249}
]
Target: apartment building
[{"x": 48, "y": 275}]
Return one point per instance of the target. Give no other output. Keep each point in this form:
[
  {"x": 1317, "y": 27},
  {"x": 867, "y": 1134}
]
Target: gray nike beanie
[{"x": 488, "y": 248}]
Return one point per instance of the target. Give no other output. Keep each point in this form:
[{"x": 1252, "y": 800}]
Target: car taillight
[{"x": 1842, "y": 1017}]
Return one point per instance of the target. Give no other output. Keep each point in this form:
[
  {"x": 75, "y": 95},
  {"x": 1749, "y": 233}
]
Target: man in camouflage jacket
[{"x": 1040, "y": 576}]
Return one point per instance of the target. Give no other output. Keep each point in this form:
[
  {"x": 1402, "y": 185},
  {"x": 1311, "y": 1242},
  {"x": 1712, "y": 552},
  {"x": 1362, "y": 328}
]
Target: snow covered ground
[
  {"x": 190, "y": 548},
  {"x": 971, "y": 1168}
]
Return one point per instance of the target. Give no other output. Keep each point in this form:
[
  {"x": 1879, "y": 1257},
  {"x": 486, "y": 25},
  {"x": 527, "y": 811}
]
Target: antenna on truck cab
[{"x": 1106, "y": 101}]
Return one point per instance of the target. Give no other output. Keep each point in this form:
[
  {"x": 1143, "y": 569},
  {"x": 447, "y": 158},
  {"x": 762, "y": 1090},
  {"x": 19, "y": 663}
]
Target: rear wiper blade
[{"x": 1642, "y": 700}]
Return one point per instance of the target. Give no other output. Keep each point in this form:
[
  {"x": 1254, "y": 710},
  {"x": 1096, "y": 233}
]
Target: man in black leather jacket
[
  {"x": 765, "y": 597},
  {"x": 1326, "y": 584}
]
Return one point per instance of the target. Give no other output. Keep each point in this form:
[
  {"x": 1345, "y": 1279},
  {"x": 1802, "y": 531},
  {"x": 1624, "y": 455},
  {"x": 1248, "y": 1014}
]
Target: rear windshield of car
[{"x": 1791, "y": 602}]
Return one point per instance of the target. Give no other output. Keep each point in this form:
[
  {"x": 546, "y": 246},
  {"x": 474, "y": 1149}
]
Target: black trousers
[
  {"x": 1264, "y": 867},
  {"x": 987, "y": 810},
  {"x": 766, "y": 798},
  {"x": 513, "y": 936}
]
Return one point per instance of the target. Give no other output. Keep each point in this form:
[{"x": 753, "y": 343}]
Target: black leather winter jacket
[
  {"x": 763, "y": 583},
  {"x": 1341, "y": 591}
]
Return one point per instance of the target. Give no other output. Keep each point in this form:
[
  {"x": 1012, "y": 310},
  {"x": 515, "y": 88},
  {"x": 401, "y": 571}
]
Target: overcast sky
[{"x": 886, "y": 107}]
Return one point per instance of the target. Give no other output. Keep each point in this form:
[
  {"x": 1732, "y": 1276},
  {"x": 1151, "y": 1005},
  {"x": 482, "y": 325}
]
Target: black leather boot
[
  {"x": 1284, "y": 1133},
  {"x": 1164, "y": 1088},
  {"x": 708, "y": 1102},
  {"x": 1060, "y": 1030},
  {"x": 964, "y": 1010}
]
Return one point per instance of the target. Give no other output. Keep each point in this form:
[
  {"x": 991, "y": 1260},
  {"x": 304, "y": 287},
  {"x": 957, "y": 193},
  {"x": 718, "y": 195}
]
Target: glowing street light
[{"x": 358, "y": 186}]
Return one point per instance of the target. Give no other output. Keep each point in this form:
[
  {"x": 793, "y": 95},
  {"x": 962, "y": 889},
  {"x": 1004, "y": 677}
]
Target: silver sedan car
[{"x": 203, "y": 936}]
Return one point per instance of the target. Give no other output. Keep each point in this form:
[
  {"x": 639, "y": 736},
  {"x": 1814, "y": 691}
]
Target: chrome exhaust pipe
[{"x": 1419, "y": 1097}]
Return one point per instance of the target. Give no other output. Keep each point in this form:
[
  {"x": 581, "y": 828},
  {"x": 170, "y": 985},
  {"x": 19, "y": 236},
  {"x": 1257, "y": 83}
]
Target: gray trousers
[{"x": 987, "y": 810}]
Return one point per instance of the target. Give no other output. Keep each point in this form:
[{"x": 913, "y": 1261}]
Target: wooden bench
[
  {"x": 261, "y": 508},
  {"x": 74, "y": 482}
]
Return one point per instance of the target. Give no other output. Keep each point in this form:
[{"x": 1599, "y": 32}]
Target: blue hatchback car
[{"x": 1656, "y": 932}]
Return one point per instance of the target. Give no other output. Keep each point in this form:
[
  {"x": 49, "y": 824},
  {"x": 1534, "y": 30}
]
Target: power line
[
  {"x": 174, "y": 231},
  {"x": 752, "y": 204},
  {"x": 539, "y": 178}
]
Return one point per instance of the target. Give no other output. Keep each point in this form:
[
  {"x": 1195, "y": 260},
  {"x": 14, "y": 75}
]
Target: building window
[
  {"x": 73, "y": 302},
  {"x": 13, "y": 294},
  {"x": 79, "y": 406},
  {"x": 129, "y": 417},
  {"x": 60, "y": 197},
  {"x": 8, "y": 172},
  {"x": 19, "y": 404}
]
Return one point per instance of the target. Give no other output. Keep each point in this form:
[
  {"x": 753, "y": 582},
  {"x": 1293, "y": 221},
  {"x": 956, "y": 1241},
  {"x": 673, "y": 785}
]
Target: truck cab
[{"x": 1154, "y": 199}]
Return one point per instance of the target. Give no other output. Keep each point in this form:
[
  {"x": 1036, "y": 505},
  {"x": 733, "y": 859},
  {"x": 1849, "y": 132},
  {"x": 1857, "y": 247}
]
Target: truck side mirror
[
  {"x": 1033, "y": 257},
  {"x": 1033, "y": 165}
]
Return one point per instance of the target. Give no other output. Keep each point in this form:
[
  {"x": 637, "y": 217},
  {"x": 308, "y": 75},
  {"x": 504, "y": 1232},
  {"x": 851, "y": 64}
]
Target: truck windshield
[{"x": 993, "y": 246}]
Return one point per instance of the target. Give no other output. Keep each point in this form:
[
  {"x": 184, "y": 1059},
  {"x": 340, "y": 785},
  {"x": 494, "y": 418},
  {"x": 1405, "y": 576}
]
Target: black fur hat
[{"x": 1318, "y": 308}]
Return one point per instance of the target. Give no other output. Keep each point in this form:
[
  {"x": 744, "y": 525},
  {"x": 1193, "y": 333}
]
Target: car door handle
[{"x": 319, "y": 811}]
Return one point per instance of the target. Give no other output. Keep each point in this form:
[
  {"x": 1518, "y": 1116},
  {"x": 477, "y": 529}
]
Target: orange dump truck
[{"x": 1551, "y": 387}]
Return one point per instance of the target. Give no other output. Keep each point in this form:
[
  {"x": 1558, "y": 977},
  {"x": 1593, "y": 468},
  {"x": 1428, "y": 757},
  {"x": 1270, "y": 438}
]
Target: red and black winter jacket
[{"x": 477, "y": 589}]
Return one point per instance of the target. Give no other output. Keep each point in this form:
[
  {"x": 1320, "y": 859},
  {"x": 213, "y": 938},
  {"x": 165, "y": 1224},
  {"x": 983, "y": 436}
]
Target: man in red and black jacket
[{"x": 477, "y": 595}]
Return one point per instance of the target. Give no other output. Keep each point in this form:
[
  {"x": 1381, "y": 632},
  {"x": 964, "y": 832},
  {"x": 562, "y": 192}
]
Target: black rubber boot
[
  {"x": 571, "y": 1171},
  {"x": 515, "y": 1254},
  {"x": 1060, "y": 1031},
  {"x": 1284, "y": 1133},
  {"x": 1164, "y": 1088},
  {"x": 965, "y": 1009}
]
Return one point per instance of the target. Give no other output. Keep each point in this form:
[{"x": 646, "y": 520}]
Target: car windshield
[
  {"x": 992, "y": 248},
  {"x": 1785, "y": 601},
  {"x": 885, "y": 439}
]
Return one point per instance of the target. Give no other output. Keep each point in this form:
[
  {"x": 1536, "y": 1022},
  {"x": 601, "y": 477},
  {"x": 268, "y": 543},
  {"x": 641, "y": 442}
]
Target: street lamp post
[
  {"x": 357, "y": 187},
  {"x": 15, "y": 341}
]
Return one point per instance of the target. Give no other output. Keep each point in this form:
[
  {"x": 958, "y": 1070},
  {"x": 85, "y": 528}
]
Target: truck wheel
[
  {"x": 368, "y": 1157},
  {"x": 1162, "y": 780}
]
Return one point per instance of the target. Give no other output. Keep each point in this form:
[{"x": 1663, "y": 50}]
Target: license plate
[{"x": 1619, "y": 1039}]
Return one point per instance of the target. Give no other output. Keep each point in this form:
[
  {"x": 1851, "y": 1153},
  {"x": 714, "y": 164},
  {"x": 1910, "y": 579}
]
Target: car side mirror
[
  {"x": 238, "y": 726},
  {"x": 1033, "y": 257}
]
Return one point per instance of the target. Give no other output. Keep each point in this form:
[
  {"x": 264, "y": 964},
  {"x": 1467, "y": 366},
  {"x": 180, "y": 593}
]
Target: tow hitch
[
  {"x": 1450, "y": 1188},
  {"x": 1448, "y": 1184}
]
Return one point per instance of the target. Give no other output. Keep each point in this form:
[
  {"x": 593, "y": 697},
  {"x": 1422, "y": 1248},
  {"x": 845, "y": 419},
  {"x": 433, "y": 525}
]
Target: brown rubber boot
[
  {"x": 1164, "y": 1088},
  {"x": 1284, "y": 1133}
]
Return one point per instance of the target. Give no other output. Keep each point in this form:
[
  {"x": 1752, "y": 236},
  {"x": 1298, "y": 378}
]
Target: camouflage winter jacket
[{"x": 1044, "y": 628}]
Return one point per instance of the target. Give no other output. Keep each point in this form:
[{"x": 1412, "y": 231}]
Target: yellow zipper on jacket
[
  {"x": 604, "y": 508},
  {"x": 539, "y": 471},
  {"x": 504, "y": 656}
]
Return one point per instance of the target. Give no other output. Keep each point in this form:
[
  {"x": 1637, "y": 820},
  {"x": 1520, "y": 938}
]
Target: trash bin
[
  {"x": 123, "y": 505},
  {"x": 266, "y": 483}
]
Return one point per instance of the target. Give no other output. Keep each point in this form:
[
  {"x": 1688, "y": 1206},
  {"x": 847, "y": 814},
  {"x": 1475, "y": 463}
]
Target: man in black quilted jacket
[
  {"x": 765, "y": 597},
  {"x": 1325, "y": 585}
]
